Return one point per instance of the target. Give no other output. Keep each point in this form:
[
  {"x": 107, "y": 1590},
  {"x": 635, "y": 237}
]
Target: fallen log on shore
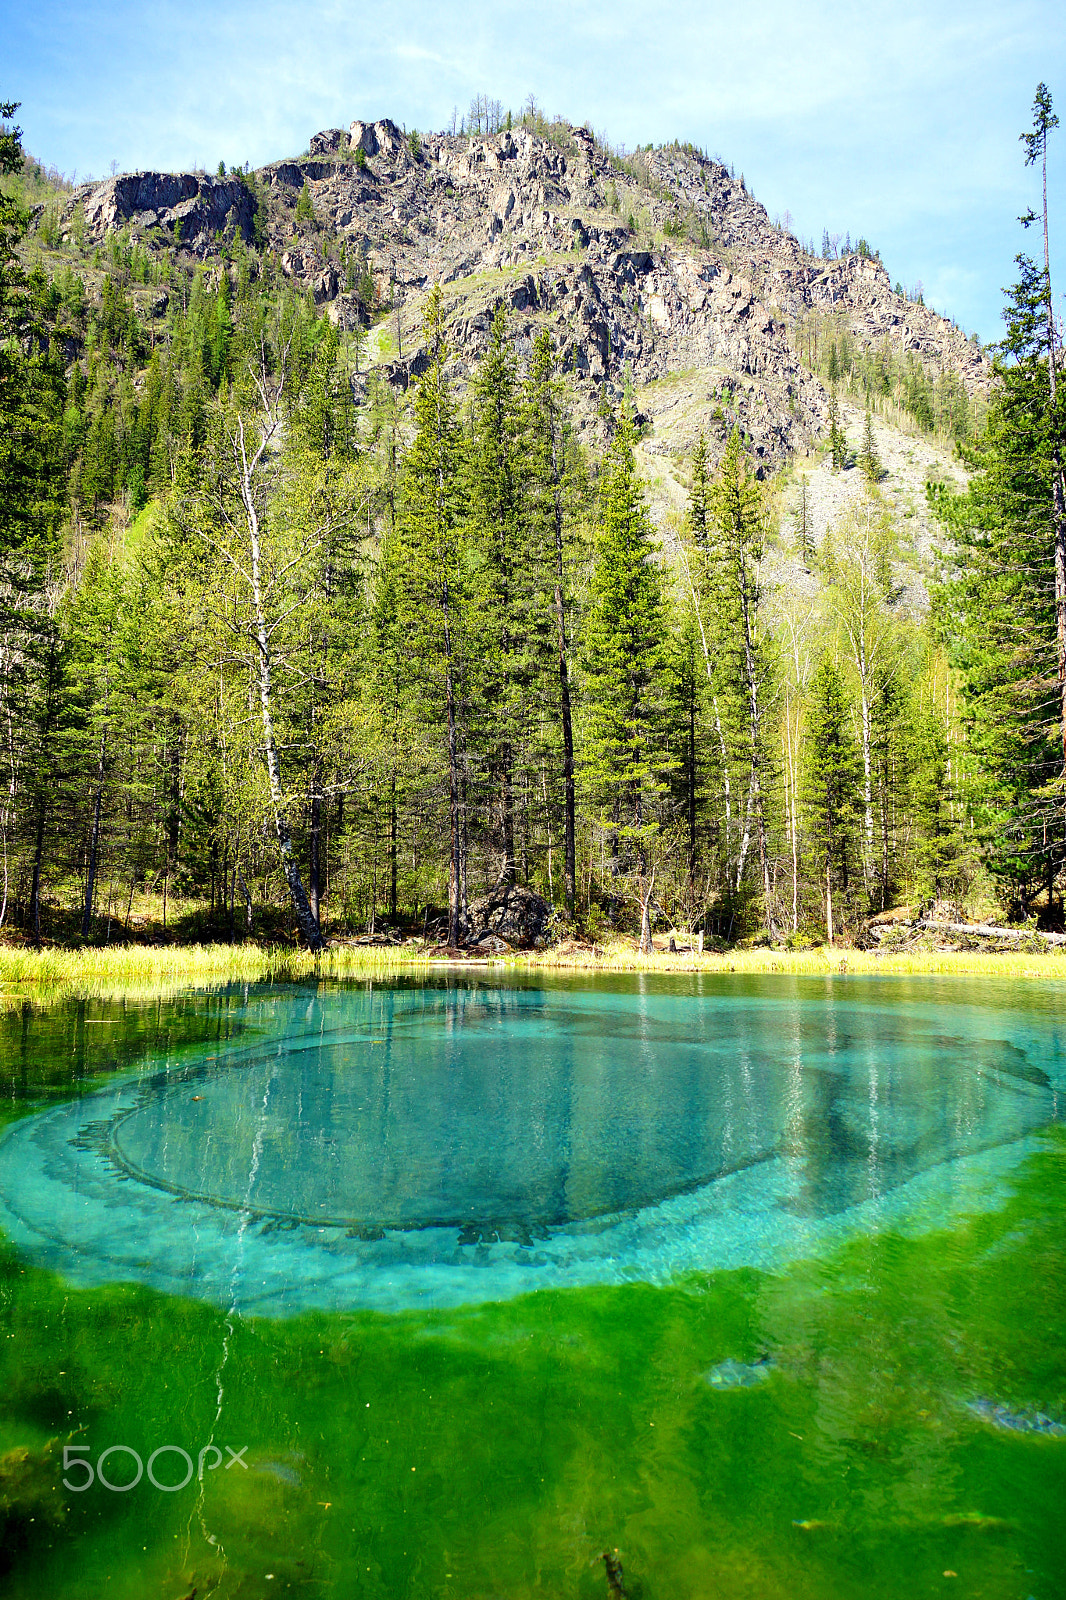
[{"x": 975, "y": 930}]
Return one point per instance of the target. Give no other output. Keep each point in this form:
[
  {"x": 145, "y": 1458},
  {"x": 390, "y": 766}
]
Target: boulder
[{"x": 513, "y": 913}]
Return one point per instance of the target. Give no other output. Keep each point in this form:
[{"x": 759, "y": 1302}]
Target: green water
[{"x": 497, "y": 1449}]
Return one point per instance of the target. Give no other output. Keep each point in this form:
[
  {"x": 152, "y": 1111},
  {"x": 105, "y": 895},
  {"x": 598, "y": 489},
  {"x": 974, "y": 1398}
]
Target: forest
[{"x": 286, "y": 654}]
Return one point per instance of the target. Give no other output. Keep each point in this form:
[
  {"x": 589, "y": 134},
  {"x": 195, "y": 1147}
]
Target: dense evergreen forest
[{"x": 293, "y": 653}]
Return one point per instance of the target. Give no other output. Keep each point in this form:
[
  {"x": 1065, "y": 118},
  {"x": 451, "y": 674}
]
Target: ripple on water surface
[{"x": 397, "y": 1146}]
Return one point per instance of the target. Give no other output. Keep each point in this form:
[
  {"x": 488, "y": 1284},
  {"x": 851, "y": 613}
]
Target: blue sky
[{"x": 898, "y": 121}]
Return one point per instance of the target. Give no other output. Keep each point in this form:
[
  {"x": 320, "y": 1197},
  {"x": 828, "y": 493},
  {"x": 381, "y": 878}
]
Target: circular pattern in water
[{"x": 366, "y": 1142}]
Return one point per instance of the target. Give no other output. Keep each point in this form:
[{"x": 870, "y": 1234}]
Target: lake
[{"x": 449, "y": 1287}]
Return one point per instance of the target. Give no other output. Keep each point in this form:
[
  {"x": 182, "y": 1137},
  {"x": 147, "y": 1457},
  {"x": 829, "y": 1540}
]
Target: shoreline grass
[{"x": 149, "y": 971}]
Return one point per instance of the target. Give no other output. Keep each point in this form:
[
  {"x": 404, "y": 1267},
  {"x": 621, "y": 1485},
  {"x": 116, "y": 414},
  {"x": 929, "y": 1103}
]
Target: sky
[{"x": 894, "y": 120}]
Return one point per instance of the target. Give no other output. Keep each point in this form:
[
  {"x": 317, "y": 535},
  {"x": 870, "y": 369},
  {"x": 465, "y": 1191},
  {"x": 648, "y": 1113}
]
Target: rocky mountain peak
[{"x": 644, "y": 267}]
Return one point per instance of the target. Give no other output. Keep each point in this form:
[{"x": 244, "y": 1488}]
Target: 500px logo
[{"x": 75, "y": 1459}]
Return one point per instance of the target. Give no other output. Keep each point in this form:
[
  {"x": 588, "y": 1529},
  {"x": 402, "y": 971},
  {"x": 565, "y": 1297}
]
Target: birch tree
[
  {"x": 262, "y": 581},
  {"x": 856, "y": 564},
  {"x": 740, "y": 518}
]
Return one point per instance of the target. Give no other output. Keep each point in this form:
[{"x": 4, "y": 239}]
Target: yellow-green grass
[
  {"x": 151, "y": 971},
  {"x": 623, "y": 955},
  {"x": 156, "y": 971}
]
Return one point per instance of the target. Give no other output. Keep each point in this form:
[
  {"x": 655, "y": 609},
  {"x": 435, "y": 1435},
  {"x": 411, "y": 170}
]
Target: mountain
[{"x": 651, "y": 267}]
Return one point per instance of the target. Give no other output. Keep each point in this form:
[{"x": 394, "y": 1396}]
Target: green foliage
[
  {"x": 831, "y": 779},
  {"x": 838, "y": 444},
  {"x": 483, "y": 665},
  {"x": 999, "y": 605},
  {"x": 623, "y": 651},
  {"x": 882, "y": 377},
  {"x": 869, "y": 462},
  {"x": 305, "y": 211}
]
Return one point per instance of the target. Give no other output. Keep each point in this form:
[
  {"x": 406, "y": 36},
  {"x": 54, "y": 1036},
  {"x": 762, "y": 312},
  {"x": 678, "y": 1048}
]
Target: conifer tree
[
  {"x": 305, "y": 211},
  {"x": 806, "y": 531},
  {"x": 869, "y": 461},
  {"x": 1007, "y": 598},
  {"x": 936, "y": 831},
  {"x": 546, "y": 488},
  {"x": 437, "y": 581},
  {"x": 1042, "y": 302},
  {"x": 740, "y": 519},
  {"x": 495, "y": 503},
  {"x": 624, "y": 661},
  {"x": 838, "y": 444},
  {"x": 830, "y": 779},
  {"x": 856, "y": 561},
  {"x": 712, "y": 611}
]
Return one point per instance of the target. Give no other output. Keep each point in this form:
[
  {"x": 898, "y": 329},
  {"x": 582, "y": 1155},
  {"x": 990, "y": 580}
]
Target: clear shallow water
[
  {"x": 395, "y": 1146},
  {"x": 851, "y": 1193}
]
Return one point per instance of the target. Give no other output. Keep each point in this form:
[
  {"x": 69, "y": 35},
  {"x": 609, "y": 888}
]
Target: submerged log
[{"x": 615, "y": 1587}]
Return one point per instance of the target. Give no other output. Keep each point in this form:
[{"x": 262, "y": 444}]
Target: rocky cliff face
[
  {"x": 200, "y": 207},
  {"x": 645, "y": 270}
]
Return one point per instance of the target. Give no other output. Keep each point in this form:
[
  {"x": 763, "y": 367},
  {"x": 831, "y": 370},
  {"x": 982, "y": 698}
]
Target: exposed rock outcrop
[
  {"x": 660, "y": 266},
  {"x": 201, "y": 206}
]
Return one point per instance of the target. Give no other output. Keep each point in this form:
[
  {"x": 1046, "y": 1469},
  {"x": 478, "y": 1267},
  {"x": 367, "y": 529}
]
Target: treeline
[{"x": 280, "y": 649}]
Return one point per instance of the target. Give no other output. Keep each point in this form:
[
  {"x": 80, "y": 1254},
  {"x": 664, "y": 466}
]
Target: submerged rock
[
  {"x": 1001, "y": 1416},
  {"x": 730, "y": 1374}
]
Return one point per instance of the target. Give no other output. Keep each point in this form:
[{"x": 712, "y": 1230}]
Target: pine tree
[
  {"x": 437, "y": 581},
  {"x": 305, "y": 210},
  {"x": 838, "y": 444},
  {"x": 1007, "y": 599},
  {"x": 932, "y": 810},
  {"x": 830, "y": 783},
  {"x": 806, "y": 529},
  {"x": 712, "y": 610},
  {"x": 1044, "y": 120},
  {"x": 869, "y": 462},
  {"x": 547, "y": 489},
  {"x": 499, "y": 530},
  {"x": 856, "y": 560},
  {"x": 624, "y": 661}
]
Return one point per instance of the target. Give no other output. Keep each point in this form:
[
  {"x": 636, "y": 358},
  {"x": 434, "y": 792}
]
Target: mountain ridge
[{"x": 643, "y": 267}]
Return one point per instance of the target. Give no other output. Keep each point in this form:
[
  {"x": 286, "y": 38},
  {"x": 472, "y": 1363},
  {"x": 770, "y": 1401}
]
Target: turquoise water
[
  {"x": 436, "y": 1145},
  {"x": 758, "y": 1282}
]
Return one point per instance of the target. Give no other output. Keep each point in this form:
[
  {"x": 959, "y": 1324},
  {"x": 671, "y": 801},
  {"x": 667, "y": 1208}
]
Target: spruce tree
[
  {"x": 830, "y": 784},
  {"x": 712, "y": 610},
  {"x": 548, "y": 497},
  {"x": 806, "y": 530},
  {"x": 624, "y": 661},
  {"x": 437, "y": 582},
  {"x": 499, "y": 531},
  {"x": 305, "y": 210},
  {"x": 838, "y": 444},
  {"x": 1006, "y": 602},
  {"x": 932, "y": 810},
  {"x": 869, "y": 462}
]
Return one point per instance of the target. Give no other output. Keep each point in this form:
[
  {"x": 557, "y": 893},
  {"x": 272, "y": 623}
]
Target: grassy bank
[
  {"x": 149, "y": 971},
  {"x": 143, "y": 971}
]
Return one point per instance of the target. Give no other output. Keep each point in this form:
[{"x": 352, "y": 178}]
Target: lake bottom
[{"x": 812, "y": 1432}]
